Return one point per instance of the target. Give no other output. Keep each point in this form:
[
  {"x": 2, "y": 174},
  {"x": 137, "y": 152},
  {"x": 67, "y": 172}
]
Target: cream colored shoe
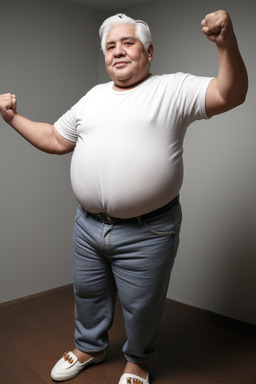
[
  {"x": 69, "y": 366},
  {"x": 128, "y": 378}
]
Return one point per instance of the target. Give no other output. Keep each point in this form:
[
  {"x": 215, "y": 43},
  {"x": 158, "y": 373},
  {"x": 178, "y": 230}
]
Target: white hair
[{"x": 142, "y": 29}]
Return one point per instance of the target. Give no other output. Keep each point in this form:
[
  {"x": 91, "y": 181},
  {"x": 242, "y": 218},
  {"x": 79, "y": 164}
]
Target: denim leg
[
  {"x": 94, "y": 286},
  {"x": 142, "y": 266}
]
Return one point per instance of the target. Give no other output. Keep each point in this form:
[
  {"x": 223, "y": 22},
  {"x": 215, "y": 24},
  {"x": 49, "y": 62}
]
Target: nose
[{"x": 119, "y": 51}]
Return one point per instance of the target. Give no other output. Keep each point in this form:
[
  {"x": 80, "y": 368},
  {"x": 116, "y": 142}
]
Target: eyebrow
[{"x": 122, "y": 39}]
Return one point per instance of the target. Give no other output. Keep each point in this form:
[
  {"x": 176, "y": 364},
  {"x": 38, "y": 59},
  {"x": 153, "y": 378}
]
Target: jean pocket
[
  {"x": 161, "y": 225},
  {"x": 156, "y": 231},
  {"x": 79, "y": 213},
  {"x": 165, "y": 224}
]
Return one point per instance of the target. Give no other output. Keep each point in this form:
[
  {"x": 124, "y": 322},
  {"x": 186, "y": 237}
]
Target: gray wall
[
  {"x": 216, "y": 264},
  {"x": 49, "y": 59},
  {"x": 44, "y": 56}
]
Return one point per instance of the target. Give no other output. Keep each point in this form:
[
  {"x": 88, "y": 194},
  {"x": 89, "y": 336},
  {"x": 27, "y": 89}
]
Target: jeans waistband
[{"x": 107, "y": 219}]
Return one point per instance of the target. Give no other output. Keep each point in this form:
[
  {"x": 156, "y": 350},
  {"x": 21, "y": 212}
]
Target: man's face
[{"x": 127, "y": 62}]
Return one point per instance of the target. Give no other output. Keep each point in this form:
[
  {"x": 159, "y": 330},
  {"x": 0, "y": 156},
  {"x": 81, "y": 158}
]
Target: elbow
[
  {"x": 57, "y": 151},
  {"x": 241, "y": 99},
  {"x": 244, "y": 90},
  {"x": 243, "y": 94},
  {"x": 236, "y": 103},
  {"x": 238, "y": 99},
  {"x": 54, "y": 149}
]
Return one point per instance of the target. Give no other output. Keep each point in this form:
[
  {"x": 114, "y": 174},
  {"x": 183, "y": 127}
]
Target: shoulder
[
  {"x": 166, "y": 84},
  {"x": 178, "y": 78},
  {"x": 97, "y": 91},
  {"x": 100, "y": 88},
  {"x": 168, "y": 80}
]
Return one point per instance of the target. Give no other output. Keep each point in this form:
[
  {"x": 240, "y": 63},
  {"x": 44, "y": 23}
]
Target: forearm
[
  {"x": 232, "y": 80},
  {"x": 40, "y": 135}
]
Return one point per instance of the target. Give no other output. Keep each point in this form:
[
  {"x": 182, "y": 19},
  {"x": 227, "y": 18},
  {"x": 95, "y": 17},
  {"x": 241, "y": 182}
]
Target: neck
[{"x": 122, "y": 88}]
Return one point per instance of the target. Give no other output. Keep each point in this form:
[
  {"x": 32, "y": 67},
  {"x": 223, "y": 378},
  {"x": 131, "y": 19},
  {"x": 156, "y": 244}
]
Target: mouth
[{"x": 120, "y": 64}]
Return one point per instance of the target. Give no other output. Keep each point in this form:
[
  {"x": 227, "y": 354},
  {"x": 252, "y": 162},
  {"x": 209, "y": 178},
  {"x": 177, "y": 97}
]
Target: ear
[{"x": 150, "y": 53}]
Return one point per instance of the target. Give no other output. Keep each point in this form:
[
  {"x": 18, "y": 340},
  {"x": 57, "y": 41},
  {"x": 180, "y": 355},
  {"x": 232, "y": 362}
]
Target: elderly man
[{"x": 126, "y": 172}]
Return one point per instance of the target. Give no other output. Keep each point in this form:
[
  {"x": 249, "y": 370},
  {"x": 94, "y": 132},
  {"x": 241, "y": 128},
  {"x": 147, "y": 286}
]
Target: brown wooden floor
[{"x": 194, "y": 347}]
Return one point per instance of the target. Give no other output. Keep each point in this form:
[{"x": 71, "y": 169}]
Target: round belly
[{"x": 125, "y": 180}]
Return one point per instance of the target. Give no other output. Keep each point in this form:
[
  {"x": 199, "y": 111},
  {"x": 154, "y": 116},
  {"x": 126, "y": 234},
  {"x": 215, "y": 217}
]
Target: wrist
[
  {"x": 227, "y": 42},
  {"x": 8, "y": 116}
]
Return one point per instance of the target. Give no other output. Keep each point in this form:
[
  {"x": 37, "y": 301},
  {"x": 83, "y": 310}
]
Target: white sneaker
[{"x": 69, "y": 366}]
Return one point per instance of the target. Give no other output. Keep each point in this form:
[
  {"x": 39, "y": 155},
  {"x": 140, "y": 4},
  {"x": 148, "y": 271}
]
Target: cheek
[
  {"x": 108, "y": 60},
  {"x": 138, "y": 57}
]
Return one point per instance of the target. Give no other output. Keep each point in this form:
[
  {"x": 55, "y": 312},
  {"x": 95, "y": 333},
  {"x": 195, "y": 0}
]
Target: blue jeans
[{"x": 133, "y": 259}]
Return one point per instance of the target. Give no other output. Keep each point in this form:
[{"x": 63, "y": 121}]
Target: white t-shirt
[{"x": 128, "y": 155}]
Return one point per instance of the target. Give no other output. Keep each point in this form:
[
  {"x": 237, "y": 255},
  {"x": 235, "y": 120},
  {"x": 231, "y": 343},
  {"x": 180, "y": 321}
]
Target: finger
[
  {"x": 6, "y": 102},
  {"x": 14, "y": 101},
  {"x": 206, "y": 30},
  {"x": 203, "y": 23},
  {"x": 208, "y": 24},
  {"x": 213, "y": 22}
]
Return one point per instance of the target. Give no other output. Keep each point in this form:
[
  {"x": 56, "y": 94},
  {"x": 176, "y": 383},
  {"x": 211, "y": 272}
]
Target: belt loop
[
  {"x": 101, "y": 235},
  {"x": 139, "y": 218}
]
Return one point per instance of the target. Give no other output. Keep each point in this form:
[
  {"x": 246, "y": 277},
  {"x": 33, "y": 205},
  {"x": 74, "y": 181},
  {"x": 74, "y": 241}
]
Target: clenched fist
[
  {"x": 8, "y": 105},
  {"x": 217, "y": 26}
]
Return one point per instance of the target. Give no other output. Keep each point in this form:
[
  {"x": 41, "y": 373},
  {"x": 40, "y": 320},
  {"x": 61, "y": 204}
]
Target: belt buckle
[{"x": 105, "y": 218}]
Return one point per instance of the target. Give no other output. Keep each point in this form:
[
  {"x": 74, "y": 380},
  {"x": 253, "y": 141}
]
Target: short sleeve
[
  {"x": 191, "y": 97},
  {"x": 66, "y": 125}
]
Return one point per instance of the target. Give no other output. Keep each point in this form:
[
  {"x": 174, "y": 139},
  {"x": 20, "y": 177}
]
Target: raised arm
[
  {"x": 229, "y": 89},
  {"x": 43, "y": 136}
]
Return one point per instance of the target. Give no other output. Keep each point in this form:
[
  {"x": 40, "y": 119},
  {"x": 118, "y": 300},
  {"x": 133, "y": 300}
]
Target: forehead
[{"x": 120, "y": 31}]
